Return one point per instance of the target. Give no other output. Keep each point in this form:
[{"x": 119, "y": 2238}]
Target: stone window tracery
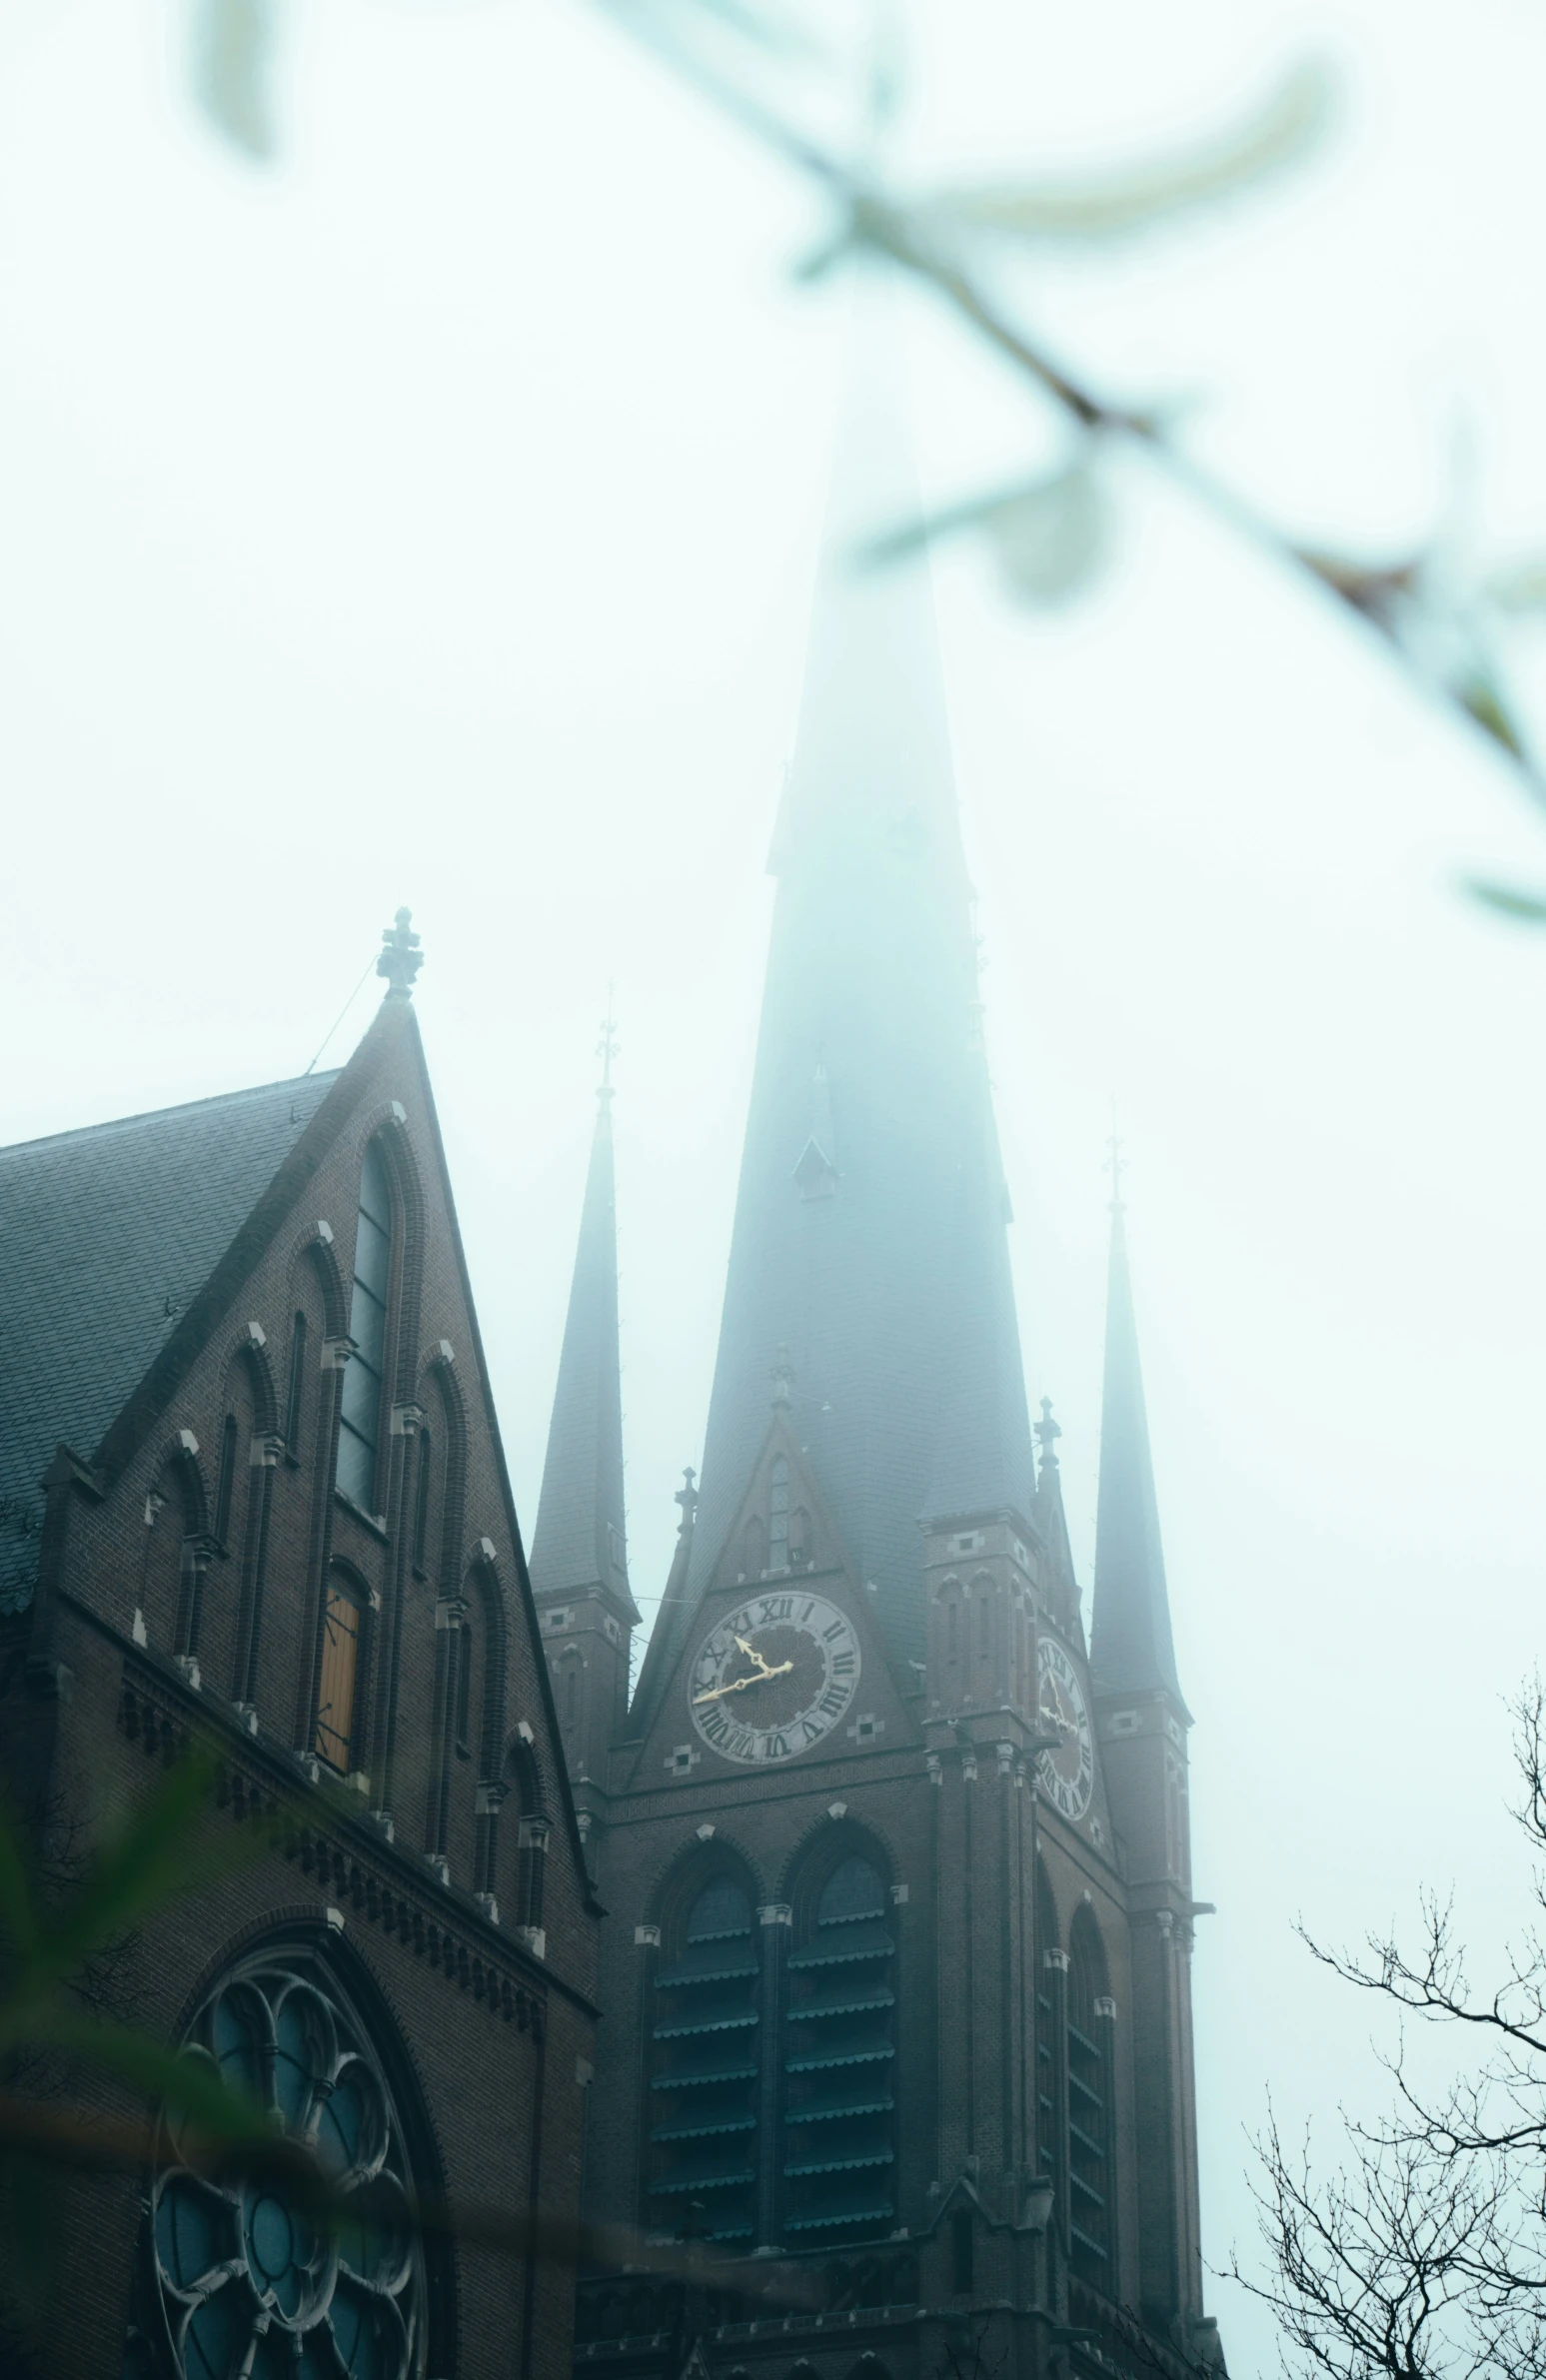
[{"x": 237, "y": 2276}]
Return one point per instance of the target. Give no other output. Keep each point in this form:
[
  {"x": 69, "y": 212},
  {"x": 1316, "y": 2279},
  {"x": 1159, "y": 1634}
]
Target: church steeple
[
  {"x": 579, "y": 1543},
  {"x": 869, "y": 1226},
  {"x": 1130, "y": 1644}
]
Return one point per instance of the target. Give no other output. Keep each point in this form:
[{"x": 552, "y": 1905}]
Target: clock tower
[{"x": 896, "y": 1962}]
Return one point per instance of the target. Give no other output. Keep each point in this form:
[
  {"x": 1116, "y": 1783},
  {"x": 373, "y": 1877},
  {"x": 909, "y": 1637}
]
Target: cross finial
[
  {"x": 782, "y": 1376},
  {"x": 607, "y": 1047},
  {"x": 1115, "y": 1164},
  {"x": 687, "y": 1496},
  {"x": 401, "y": 957},
  {"x": 1048, "y": 1435}
]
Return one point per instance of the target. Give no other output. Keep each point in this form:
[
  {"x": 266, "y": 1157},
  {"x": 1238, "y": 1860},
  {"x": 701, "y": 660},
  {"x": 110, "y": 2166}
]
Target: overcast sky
[{"x": 434, "y": 519}]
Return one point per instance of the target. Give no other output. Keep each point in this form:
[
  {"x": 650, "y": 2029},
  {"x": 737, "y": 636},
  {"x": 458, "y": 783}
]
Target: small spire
[
  {"x": 783, "y": 1378},
  {"x": 687, "y": 1496},
  {"x": 401, "y": 957},
  {"x": 1048, "y": 1433},
  {"x": 607, "y": 1047}
]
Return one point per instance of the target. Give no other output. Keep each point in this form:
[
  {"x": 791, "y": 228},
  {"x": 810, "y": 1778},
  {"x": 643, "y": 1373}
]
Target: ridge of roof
[{"x": 156, "y": 1116}]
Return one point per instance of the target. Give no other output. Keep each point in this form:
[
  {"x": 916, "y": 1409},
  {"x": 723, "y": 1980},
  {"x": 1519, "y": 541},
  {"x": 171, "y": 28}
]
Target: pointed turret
[
  {"x": 579, "y": 1543},
  {"x": 868, "y": 1238},
  {"x": 1130, "y": 1647}
]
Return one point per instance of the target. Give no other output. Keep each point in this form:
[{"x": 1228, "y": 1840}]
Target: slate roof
[
  {"x": 106, "y": 1236},
  {"x": 1130, "y": 1647},
  {"x": 581, "y": 1503},
  {"x": 879, "y": 1263}
]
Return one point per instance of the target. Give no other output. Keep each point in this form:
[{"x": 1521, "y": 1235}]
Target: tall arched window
[
  {"x": 839, "y": 2112},
  {"x": 342, "y": 1619},
  {"x": 703, "y": 2100},
  {"x": 532, "y": 1831},
  {"x": 1089, "y": 2105},
  {"x": 365, "y": 1377},
  {"x": 1050, "y": 2038}
]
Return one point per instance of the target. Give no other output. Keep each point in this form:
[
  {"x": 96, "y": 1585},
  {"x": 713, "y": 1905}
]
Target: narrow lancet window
[
  {"x": 840, "y": 2109},
  {"x": 703, "y": 2102},
  {"x": 365, "y": 1378}
]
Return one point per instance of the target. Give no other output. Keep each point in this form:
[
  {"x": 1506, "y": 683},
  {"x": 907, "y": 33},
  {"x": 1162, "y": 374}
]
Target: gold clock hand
[{"x": 739, "y": 1685}]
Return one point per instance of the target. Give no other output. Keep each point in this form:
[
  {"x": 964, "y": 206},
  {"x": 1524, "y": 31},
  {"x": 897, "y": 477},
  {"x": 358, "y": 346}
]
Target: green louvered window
[
  {"x": 1049, "y": 2039},
  {"x": 704, "y": 2084},
  {"x": 1089, "y": 2107},
  {"x": 839, "y": 2052}
]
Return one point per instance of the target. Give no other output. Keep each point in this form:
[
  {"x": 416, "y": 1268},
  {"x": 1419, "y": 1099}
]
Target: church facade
[
  {"x": 241, "y": 1356},
  {"x": 894, "y": 1850}
]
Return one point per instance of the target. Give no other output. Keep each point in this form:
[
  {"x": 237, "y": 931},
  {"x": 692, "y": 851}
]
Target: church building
[
  {"x": 253, "y": 1500},
  {"x": 892, "y": 1841}
]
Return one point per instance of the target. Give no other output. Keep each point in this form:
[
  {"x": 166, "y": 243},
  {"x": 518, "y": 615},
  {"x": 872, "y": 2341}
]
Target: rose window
[{"x": 244, "y": 2280}]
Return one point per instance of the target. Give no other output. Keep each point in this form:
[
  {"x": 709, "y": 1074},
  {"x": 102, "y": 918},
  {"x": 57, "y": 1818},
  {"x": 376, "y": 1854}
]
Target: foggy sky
[{"x": 435, "y": 520}]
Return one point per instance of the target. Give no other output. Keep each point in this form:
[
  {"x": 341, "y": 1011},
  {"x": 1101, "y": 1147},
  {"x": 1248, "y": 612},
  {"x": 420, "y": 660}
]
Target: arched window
[
  {"x": 342, "y": 1619},
  {"x": 840, "y": 2109},
  {"x": 703, "y": 2096},
  {"x": 532, "y": 1831},
  {"x": 240, "y": 2279},
  {"x": 984, "y": 1623},
  {"x": 296, "y": 1396},
  {"x": 1089, "y": 2105},
  {"x": 365, "y": 1376},
  {"x": 800, "y": 1537},
  {"x": 226, "y": 1489}
]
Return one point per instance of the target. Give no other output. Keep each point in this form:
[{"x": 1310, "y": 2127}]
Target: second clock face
[
  {"x": 1067, "y": 1771},
  {"x": 774, "y": 1676}
]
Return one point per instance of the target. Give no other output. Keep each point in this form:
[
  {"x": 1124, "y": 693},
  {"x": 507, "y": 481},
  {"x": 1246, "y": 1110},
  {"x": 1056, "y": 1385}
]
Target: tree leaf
[
  {"x": 1049, "y": 536},
  {"x": 1287, "y": 128},
  {"x": 185, "y": 2085},
  {"x": 1522, "y": 588},
  {"x": 1510, "y": 900},
  {"x": 1051, "y": 541},
  {"x": 1481, "y": 699},
  {"x": 233, "y": 54},
  {"x": 152, "y": 1859}
]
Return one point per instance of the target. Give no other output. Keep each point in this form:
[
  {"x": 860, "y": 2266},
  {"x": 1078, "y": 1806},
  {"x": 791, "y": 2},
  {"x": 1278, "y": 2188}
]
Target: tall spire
[
  {"x": 1130, "y": 1645},
  {"x": 870, "y": 1224},
  {"x": 580, "y": 1537}
]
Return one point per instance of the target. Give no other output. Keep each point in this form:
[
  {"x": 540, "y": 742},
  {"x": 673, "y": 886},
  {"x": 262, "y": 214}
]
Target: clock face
[
  {"x": 774, "y": 1676},
  {"x": 1067, "y": 1774}
]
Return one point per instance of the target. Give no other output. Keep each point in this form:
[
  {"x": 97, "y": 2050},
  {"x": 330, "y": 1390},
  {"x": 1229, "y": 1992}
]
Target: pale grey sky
[{"x": 434, "y": 519}]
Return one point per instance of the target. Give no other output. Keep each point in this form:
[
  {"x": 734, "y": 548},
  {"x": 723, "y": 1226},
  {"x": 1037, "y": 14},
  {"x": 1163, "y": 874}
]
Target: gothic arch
[
  {"x": 837, "y": 2046},
  {"x": 1091, "y": 2081},
  {"x": 177, "y": 1544},
  {"x": 244, "y": 1495},
  {"x": 522, "y": 1782},
  {"x": 386, "y": 1127},
  {"x": 701, "y": 2117},
  {"x": 314, "y": 1260}
]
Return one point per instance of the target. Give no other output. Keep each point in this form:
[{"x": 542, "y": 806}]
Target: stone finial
[
  {"x": 1048, "y": 1433},
  {"x": 401, "y": 957},
  {"x": 687, "y": 1496},
  {"x": 783, "y": 1378}
]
